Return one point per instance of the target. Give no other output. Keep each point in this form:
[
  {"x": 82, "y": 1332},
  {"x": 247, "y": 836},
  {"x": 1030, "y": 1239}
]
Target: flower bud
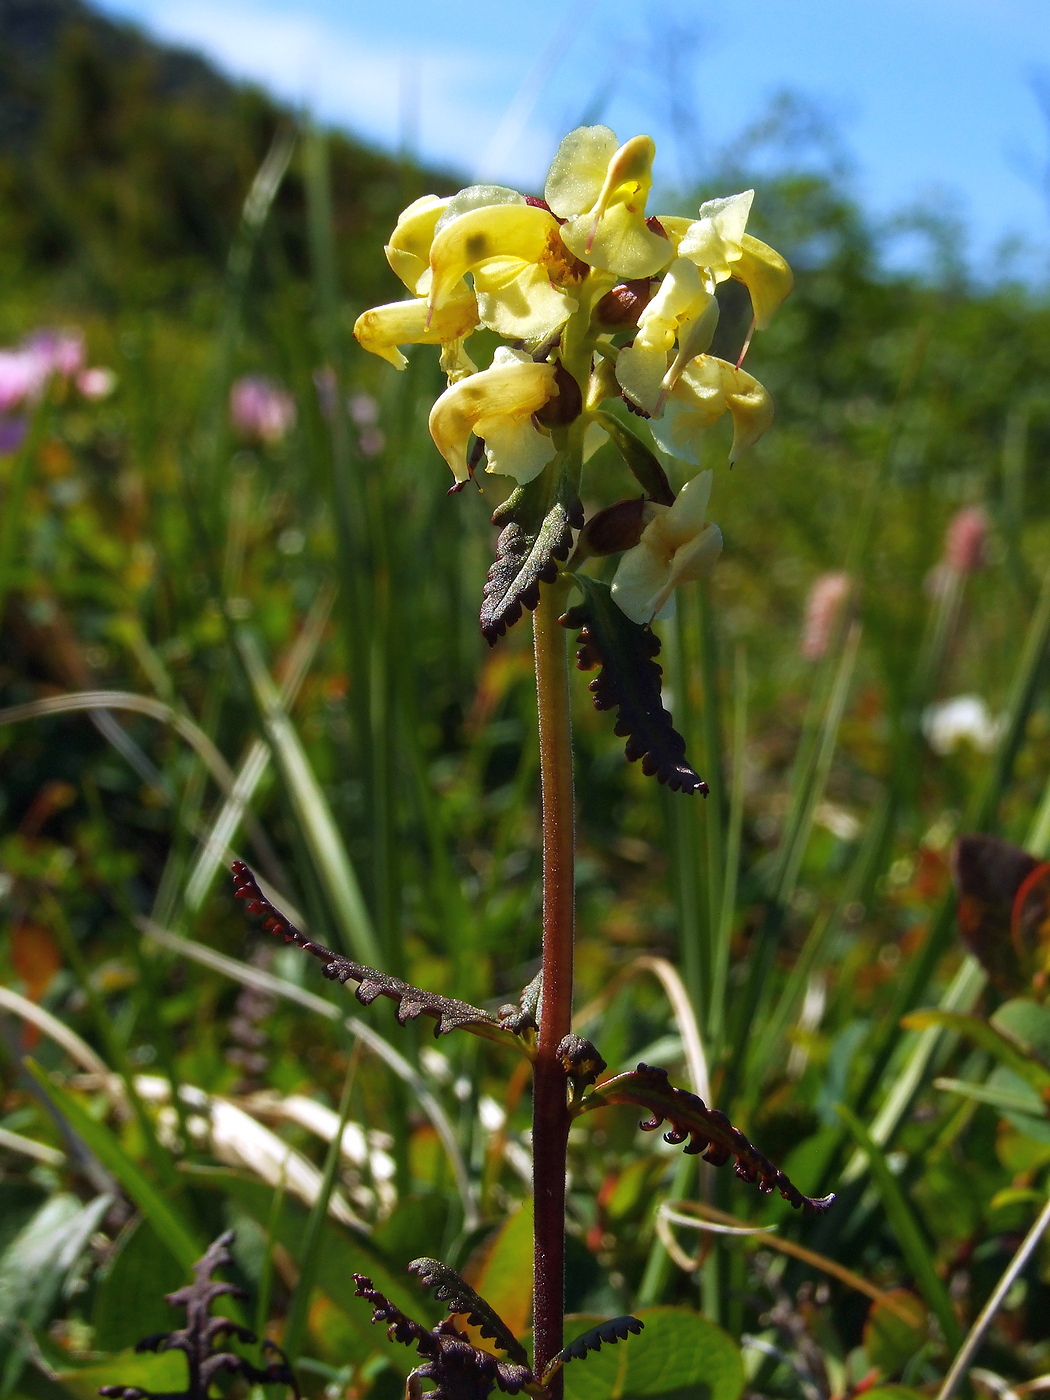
[
  {"x": 614, "y": 529},
  {"x": 621, "y": 307},
  {"x": 567, "y": 404}
]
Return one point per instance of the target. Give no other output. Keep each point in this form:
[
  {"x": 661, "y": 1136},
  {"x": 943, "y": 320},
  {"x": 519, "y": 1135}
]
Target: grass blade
[
  {"x": 325, "y": 845},
  {"x": 170, "y": 1227},
  {"x": 905, "y": 1229}
]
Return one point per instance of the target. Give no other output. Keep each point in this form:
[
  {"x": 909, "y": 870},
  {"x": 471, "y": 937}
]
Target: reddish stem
[{"x": 550, "y": 1112}]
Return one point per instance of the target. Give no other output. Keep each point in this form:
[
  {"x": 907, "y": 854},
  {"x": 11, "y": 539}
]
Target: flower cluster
[
  {"x": 596, "y": 300},
  {"x": 44, "y": 357},
  {"x": 260, "y": 410}
]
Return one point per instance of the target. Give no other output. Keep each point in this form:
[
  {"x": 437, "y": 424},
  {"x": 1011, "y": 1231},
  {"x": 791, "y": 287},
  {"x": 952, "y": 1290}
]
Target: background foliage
[{"x": 305, "y": 609}]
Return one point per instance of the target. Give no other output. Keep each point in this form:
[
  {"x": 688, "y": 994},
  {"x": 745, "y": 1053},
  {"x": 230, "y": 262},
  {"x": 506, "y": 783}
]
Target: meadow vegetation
[{"x": 270, "y": 626}]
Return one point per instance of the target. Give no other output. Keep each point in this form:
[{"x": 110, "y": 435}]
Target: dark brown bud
[
  {"x": 622, "y": 306},
  {"x": 565, "y": 406},
  {"x": 580, "y": 1060},
  {"x": 615, "y": 528},
  {"x": 654, "y": 225}
]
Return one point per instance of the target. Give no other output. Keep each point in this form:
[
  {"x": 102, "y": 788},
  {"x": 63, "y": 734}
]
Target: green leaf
[
  {"x": 640, "y": 459},
  {"x": 172, "y": 1230},
  {"x": 987, "y": 1037},
  {"x": 538, "y": 520},
  {"x": 505, "y": 1279},
  {"x": 159, "y": 1373},
  {"x": 679, "y": 1356},
  {"x": 129, "y": 1303},
  {"x": 630, "y": 683},
  {"x": 1027, "y": 1024},
  {"x": 897, "y": 1328}
]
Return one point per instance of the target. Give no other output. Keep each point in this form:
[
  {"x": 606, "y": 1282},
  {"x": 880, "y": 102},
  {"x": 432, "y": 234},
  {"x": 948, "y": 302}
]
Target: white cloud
[{"x": 391, "y": 94}]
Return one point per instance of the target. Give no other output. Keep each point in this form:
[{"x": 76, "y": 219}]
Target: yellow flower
[
  {"x": 718, "y": 244},
  {"x": 683, "y": 309},
  {"x": 408, "y": 251},
  {"x": 601, "y": 192},
  {"x": 677, "y": 545},
  {"x": 510, "y": 249},
  {"x": 706, "y": 388},
  {"x": 497, "y": 405},
  {"x": 383, "y": 328}
]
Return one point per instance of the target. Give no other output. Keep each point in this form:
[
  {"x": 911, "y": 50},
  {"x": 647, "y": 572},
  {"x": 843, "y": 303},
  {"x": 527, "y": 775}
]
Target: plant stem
[{"x": 550, "y": 1112}]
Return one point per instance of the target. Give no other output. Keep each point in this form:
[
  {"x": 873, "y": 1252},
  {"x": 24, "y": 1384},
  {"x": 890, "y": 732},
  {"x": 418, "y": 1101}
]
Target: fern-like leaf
[
  {"x": 449, "y": 1288},
  {"x": 617, "y": 1329},
  {"x": 538, "y": 520},
  {"x": 449, "y": 1013},
  {"x": 629, "y": 682},
  {"x": 702, "y": 1129}
]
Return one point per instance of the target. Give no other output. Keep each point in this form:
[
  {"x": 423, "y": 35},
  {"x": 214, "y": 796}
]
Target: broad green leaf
[
  {"x": 679, "y": 1356},
  {"x": 896, "y": 1329},
  {"x": 157, "y": 1372},
  {"x": 505, "y": 1278},
  {"x": 129, "y": 1302},
  {"x": 174, "y": 1232},
  {"x": 985, "y": 1036},
  {"x": 1027, "y": 1024}
]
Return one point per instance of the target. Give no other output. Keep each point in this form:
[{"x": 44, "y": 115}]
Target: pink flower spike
[
  {"x": 261, "y": 410},
  {"x": 965, "y": 540},
  {"x": 22, "y": 377},
  {"x": 827, "y": 597}
]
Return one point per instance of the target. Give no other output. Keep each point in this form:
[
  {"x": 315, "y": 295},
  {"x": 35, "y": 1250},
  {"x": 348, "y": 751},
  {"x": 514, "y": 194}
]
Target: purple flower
[
  {"x": 12, "y": 434},
  {"x": 22, "y": 376},
  {"x": 260, "y": 409},
  {"x": 59, "y": 352}
]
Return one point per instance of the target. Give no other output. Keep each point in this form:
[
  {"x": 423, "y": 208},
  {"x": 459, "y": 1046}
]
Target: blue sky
[{"x": 934, "y": 100}]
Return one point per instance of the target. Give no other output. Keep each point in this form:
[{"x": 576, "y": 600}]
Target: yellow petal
[
  {"x": 621, "y": 243},
  {"x": 578, "y": 170},
  {"x": 408, "y": 251},
  {"x": 517, "y": 300},
  {"x": 681, "y": 299},
  {"x": 714, "y": 240},
  {"x": 766, "y": 276},
  {"x": 677, "y": 546},
  {"x": 503, "y": 398},
  {"x": 707, "y": 388},
  {"x": 498, "y": 231},
  {"x": 381, "y": 329}
]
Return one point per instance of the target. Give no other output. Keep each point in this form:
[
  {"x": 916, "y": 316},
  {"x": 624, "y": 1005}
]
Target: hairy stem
[{"x": 550, "y": 1113}]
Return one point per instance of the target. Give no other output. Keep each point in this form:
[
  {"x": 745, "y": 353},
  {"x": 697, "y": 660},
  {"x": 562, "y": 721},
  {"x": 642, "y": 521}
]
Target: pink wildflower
[
  {"x": 260, "y": 409},
  {"x": 965, "y": 540},
  {"x": 827, "y": 598},
  {"x": 57, "y": 352},
  {"x": 21, "y": 378}
]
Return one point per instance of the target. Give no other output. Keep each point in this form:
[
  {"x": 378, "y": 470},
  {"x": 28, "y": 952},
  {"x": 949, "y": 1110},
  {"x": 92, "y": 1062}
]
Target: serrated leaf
[
  {"x": 449, "y": 1013},
  {"x": 679, "y": 1356},
  {"x": 616, "y": 1329},
  {"x": 537, "y": 522},
  {"x": 630, "y": 683},
  {"x": 641, "y": 461},
  {"x": 703, "y": 1130},
  {"x": 454, "y": 1291}
]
